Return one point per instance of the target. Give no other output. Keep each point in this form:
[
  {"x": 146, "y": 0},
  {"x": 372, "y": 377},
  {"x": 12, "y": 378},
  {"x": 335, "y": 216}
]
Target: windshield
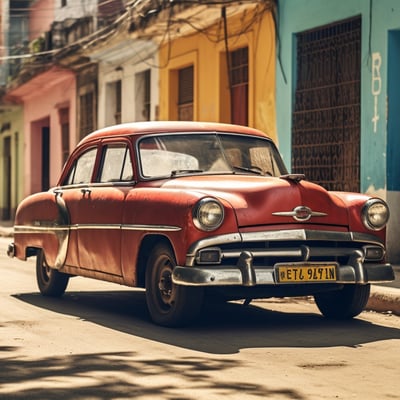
[{"x": 176, "y": 154}]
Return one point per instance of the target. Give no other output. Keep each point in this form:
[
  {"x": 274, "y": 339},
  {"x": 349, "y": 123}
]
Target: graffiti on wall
[{"x": 376, "y": 85}]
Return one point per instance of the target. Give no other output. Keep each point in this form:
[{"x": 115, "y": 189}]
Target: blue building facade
[{"x": 338, "y": 96}]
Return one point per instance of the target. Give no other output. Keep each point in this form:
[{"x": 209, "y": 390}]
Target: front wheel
[
  {"x": 169, "y": 304},
  {"x": 345, "y": 303},
  {"x": 50, "y": 281}
]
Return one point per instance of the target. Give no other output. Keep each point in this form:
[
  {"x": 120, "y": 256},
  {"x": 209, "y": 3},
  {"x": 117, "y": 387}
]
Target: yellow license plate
[{"x": 306, "y": 273}]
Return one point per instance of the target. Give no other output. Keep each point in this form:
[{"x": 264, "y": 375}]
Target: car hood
[{"x": 269, "y": 200}]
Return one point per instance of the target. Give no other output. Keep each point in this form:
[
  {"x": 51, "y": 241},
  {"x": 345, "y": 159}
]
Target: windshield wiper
[
  {"x": 176, "y": 172},
  {"x": 253, "y": 170},
  {"x": 293, "y": 177}
]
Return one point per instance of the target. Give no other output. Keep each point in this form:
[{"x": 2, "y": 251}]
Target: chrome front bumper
[
  {"x": 11, "y": 250},
  {"x": 245, "y": 272}
]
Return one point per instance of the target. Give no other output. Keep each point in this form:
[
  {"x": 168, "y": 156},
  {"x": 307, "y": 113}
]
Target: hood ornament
[{"x": 300, "y": 213}]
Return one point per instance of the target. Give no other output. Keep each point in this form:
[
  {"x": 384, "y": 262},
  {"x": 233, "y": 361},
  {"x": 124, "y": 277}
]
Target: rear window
[{"x": 82, "y": 170}]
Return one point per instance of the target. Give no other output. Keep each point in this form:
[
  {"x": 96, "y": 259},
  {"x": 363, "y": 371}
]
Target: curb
[{"x": 384, "y": 299}]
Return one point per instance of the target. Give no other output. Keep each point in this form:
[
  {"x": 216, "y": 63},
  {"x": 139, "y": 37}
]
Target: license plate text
[{"x": 306, "y": 273}]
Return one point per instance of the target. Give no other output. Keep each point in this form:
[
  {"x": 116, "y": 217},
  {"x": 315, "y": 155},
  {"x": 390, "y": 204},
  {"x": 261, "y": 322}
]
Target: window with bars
[
  {"x": 142, "y": 95},
  {"x": 326, "y": 117},
  {"x": 118, "y": 102},
  {"x": 185, "y": 94},
  {"x": 113, "y": 102},
  {"x": 87, "y": 114},
  {"x": 64, "y": 122}
]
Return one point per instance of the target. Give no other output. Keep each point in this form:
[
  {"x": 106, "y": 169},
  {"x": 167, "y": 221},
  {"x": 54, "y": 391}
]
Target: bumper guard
[{"x": 245, "y": 274}]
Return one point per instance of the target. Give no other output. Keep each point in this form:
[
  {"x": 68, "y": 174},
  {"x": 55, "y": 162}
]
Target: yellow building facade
[
  {"x": 206, "y": 52},
  {"x": 11, "y": 160}
]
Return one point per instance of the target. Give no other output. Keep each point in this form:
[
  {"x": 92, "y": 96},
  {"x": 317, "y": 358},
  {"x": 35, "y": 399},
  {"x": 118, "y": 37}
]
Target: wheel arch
[
  {"x": 32, "y": 251},
  {"x": 147, "y": 244}
]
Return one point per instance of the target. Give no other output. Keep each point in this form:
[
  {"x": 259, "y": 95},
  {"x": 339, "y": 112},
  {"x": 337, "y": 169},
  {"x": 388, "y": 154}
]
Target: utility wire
[{"x": 106, "y": 33}]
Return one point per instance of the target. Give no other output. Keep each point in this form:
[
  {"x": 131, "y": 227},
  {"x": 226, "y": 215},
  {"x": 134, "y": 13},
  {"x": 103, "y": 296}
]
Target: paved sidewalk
[
  {"x": 6, "y": 229},
  {"x": 384, "y": 298}
]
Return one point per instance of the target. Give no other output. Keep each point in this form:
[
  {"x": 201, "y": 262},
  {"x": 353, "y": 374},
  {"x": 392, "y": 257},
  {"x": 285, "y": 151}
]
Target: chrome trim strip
[
  {"x": 214, "y": 241},
  {"x": 77, "y": 227},
  {"x": 292, "y": 252},
  {"x": 306, "y": 234},
  {"x": 67, "y": 228},
  {"x": 264, "y": 253},
  {"x": 127, "y": 227},
  {"x": 153, "y": 228},
  {"x": 39, "y": 229},
  {"x": 61, "y": 230}
]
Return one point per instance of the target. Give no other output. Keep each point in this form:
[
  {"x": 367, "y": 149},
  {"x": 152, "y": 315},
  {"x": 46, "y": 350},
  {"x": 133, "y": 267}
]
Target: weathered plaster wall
[
  {"x": 41, "y": 17},
  {"x": 123, "y": 63},
  {"x": 76, "y": 9},
  {"x": 380, "y": 165}
]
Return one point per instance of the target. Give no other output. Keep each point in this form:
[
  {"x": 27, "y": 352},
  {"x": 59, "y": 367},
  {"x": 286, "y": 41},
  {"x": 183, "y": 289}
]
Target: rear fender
[{"x": 42, "y": 221}]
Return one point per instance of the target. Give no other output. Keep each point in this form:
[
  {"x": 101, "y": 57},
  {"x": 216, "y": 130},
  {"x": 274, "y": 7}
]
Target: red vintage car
[{"x": 199, "y": 211}]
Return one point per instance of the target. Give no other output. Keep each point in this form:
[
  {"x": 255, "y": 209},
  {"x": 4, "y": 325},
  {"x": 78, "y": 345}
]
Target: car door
[
  {"x": 96, "y": 209},
  {"x": 78, "y": 178}
]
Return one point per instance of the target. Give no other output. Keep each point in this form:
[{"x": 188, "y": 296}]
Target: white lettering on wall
[{"x": 376, "y": 85}]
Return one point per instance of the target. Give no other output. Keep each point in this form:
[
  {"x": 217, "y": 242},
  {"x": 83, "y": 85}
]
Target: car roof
[{"x": 140, "y": 128}]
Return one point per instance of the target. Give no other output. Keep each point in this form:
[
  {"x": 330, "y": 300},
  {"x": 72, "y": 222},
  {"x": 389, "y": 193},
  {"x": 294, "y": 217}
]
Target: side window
[
  {"x": 117, "y": 164},
  {"x": 82, "y": 170}
]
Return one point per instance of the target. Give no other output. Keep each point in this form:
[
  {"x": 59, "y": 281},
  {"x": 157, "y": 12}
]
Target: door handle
[{"x": 86, "y": 191}]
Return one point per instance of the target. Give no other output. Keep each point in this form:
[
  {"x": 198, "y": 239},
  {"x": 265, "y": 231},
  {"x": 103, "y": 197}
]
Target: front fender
[
  {"x": 169, "y": 213},
  {"x": 354, "y": 203}
]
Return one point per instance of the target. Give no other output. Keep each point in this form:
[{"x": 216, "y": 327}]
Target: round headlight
[
  {"x": 208, "y": 214},
  {"x": 375, "y": 214}
]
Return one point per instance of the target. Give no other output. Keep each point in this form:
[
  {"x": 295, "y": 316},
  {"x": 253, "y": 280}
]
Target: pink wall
[
  {"x": 41, "y": 108},
  {"x": 41, "y": 17}
]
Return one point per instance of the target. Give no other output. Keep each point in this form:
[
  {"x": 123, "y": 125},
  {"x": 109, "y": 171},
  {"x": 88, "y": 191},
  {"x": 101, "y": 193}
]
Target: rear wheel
[
  {"x": 169, "y": 304},
  {"x": 50, "y": 281},
  {"x": 345, "y": 303}
]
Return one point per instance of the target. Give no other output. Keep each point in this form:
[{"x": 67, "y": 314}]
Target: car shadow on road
[{"x": 232, "y": 326}]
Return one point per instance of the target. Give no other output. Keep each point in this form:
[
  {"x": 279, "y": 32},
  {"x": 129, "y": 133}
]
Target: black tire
[
  {"x": 345, "y": 303},
  {"x": 169, "y": 304},
  {"x": 50, "y": 281}
]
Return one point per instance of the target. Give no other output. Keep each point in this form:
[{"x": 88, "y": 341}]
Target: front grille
[
  {"x": 334, "y": 247},
  {"x": 268, "y": 254}
]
